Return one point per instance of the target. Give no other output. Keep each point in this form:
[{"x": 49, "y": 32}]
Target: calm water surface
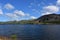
[{"x": 32, "y": 32}]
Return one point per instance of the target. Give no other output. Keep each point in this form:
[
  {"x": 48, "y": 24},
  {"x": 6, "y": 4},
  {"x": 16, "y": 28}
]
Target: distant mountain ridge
[{"x": 45, "y": 19}]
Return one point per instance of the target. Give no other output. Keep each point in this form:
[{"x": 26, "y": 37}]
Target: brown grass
[{"x": 5, "y": 38}]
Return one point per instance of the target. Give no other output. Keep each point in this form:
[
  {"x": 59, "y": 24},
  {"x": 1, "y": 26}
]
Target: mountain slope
[{"x": 51, "y": 18}]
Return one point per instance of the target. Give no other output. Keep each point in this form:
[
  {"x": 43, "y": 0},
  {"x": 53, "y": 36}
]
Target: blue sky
[{"x": 27, "y": 9}]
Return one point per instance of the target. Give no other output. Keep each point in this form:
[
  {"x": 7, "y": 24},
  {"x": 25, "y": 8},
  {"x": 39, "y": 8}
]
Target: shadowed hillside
[{"x": 51, "y": 18}]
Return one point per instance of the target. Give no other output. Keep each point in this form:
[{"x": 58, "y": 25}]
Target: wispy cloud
[
  {"x": 20, "y": 13},
  {"x": 11, "y": 15},
  {"x": 9, "y": 6},
  {"x": 33, "y": 17},
  {"x": 1, "y": 12},
  {"x": 46, "y": 13}
]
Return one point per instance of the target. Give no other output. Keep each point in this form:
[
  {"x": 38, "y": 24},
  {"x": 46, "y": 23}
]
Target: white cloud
[
  {"x": 20, "y": 13},
  {"x": 46, "y": 13},
  {"x": 58, "y": 2},
  {"x": 8, "y": 6},
  {"x": 51, "y": 9},
  {"x": 1, "y": 12},
  {"x": 11, "y": 15},
  {"x": 33, "y": 17}
]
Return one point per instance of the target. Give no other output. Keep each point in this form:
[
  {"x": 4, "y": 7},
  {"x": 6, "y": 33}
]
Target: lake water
[{"x": 31, "y": 32}]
